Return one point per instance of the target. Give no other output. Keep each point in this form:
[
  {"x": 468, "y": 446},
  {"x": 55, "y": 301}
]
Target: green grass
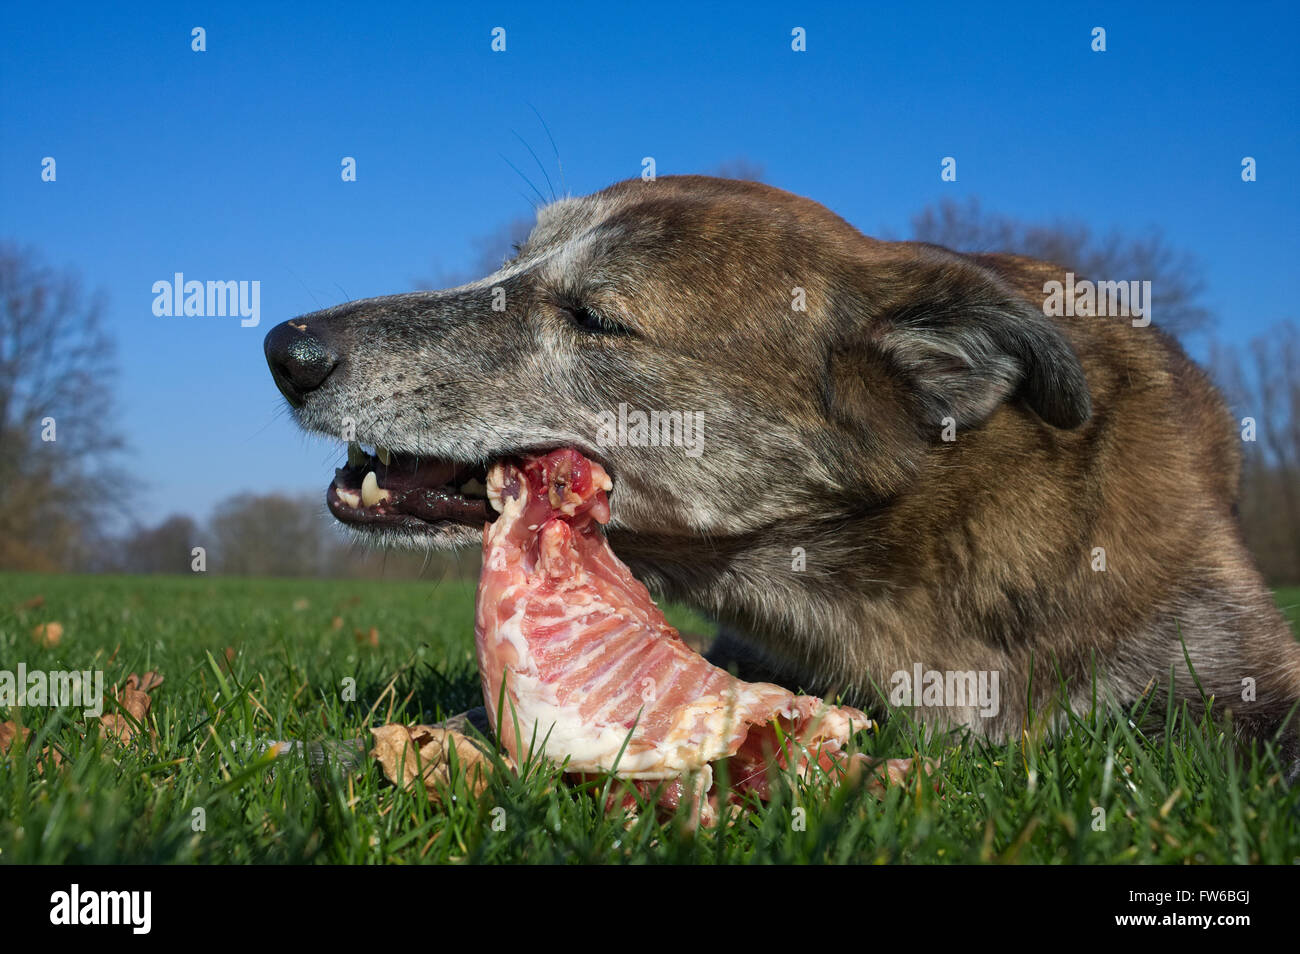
[{"x": 1182, "y": 798}]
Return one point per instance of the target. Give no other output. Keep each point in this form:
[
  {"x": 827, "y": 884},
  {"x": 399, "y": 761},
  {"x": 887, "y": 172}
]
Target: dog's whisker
[
  {"x": 527, "y": 180},
  {"x": 563, "y": 188},
  {"x": 545, "y": 174},
  {"x": 304, "y": 286}
]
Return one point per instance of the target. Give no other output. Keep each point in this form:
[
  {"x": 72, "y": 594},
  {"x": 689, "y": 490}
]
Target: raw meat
[{"x": 594, "y": 674}]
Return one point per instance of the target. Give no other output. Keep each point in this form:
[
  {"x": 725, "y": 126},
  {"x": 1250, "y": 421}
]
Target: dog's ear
[{"x": 963, "y": 343}]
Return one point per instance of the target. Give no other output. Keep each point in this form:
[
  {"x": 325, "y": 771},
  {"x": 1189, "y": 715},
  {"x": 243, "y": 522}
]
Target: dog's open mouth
[{"x": 387, "y": 490}]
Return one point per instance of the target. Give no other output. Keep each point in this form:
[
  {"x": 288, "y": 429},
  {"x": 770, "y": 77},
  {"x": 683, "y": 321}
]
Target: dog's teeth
[
  {"x": 349, "y": 497},
  {"x": 384, "y": 457},
  {"x": 371, "y": 493},
  {"x": 356, "y": 456},
  {"x": 473, "y": 488}
]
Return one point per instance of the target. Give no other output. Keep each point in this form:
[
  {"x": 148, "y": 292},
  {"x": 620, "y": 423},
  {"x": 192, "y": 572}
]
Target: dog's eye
[{"x": 593, "y": 321}]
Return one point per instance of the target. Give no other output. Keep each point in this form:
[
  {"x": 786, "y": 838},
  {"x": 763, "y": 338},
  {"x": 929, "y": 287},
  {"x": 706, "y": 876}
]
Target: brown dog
[{"x": 903, "y": 480}]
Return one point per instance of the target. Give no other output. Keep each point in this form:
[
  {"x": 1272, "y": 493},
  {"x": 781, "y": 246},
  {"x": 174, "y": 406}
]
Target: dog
[{"x": 906, "y": 467}]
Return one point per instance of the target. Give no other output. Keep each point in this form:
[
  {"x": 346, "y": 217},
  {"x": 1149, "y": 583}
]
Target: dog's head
[{"x": 787, "y": 367}]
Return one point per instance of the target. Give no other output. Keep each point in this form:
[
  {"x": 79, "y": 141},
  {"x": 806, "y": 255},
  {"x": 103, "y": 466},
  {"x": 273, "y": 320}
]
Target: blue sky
[{"x": 225, "y": 164}]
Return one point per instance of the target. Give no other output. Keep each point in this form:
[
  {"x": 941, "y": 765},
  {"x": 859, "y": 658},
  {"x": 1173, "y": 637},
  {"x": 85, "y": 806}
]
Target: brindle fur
[{"x": 823, "y": 431}]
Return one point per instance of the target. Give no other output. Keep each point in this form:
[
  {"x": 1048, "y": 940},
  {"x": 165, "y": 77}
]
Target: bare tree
[
  {"x": 283, "y": 535},
  {"x": 1263, "y": 386},
  {"x": 57, "y": 427},
  {"x": 270, "y": 535},
  {"x": 165, "y": 548},
  {"x": 1176, "y": 282}
]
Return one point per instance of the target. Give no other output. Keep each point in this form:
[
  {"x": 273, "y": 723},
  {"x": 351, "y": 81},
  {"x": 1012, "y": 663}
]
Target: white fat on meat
[{"x": 588, "y": 668}]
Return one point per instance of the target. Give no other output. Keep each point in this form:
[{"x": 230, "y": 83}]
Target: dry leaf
[
  {"x": 132, "y": 698},
  {"x": 9, "y": 731},
  {"x": 882, "y": 773},
  {"x": 407, "y": 752},
  {"x": 135, "y": 699},
  {"x": 372, "y": 637},
  {"x": 146, "y": 683},
  {"x": 47, "y": 635}
]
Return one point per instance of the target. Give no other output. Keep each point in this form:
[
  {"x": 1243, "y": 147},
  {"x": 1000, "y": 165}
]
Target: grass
[{"x": 249, "y": 660}]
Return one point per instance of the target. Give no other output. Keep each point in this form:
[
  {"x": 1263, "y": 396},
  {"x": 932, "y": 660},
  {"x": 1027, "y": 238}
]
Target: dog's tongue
[{"x": 592, "y": 674}]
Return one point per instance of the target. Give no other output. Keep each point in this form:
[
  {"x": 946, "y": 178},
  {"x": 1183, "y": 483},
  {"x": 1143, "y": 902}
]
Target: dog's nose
[{"x": 300, "y": 361}]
